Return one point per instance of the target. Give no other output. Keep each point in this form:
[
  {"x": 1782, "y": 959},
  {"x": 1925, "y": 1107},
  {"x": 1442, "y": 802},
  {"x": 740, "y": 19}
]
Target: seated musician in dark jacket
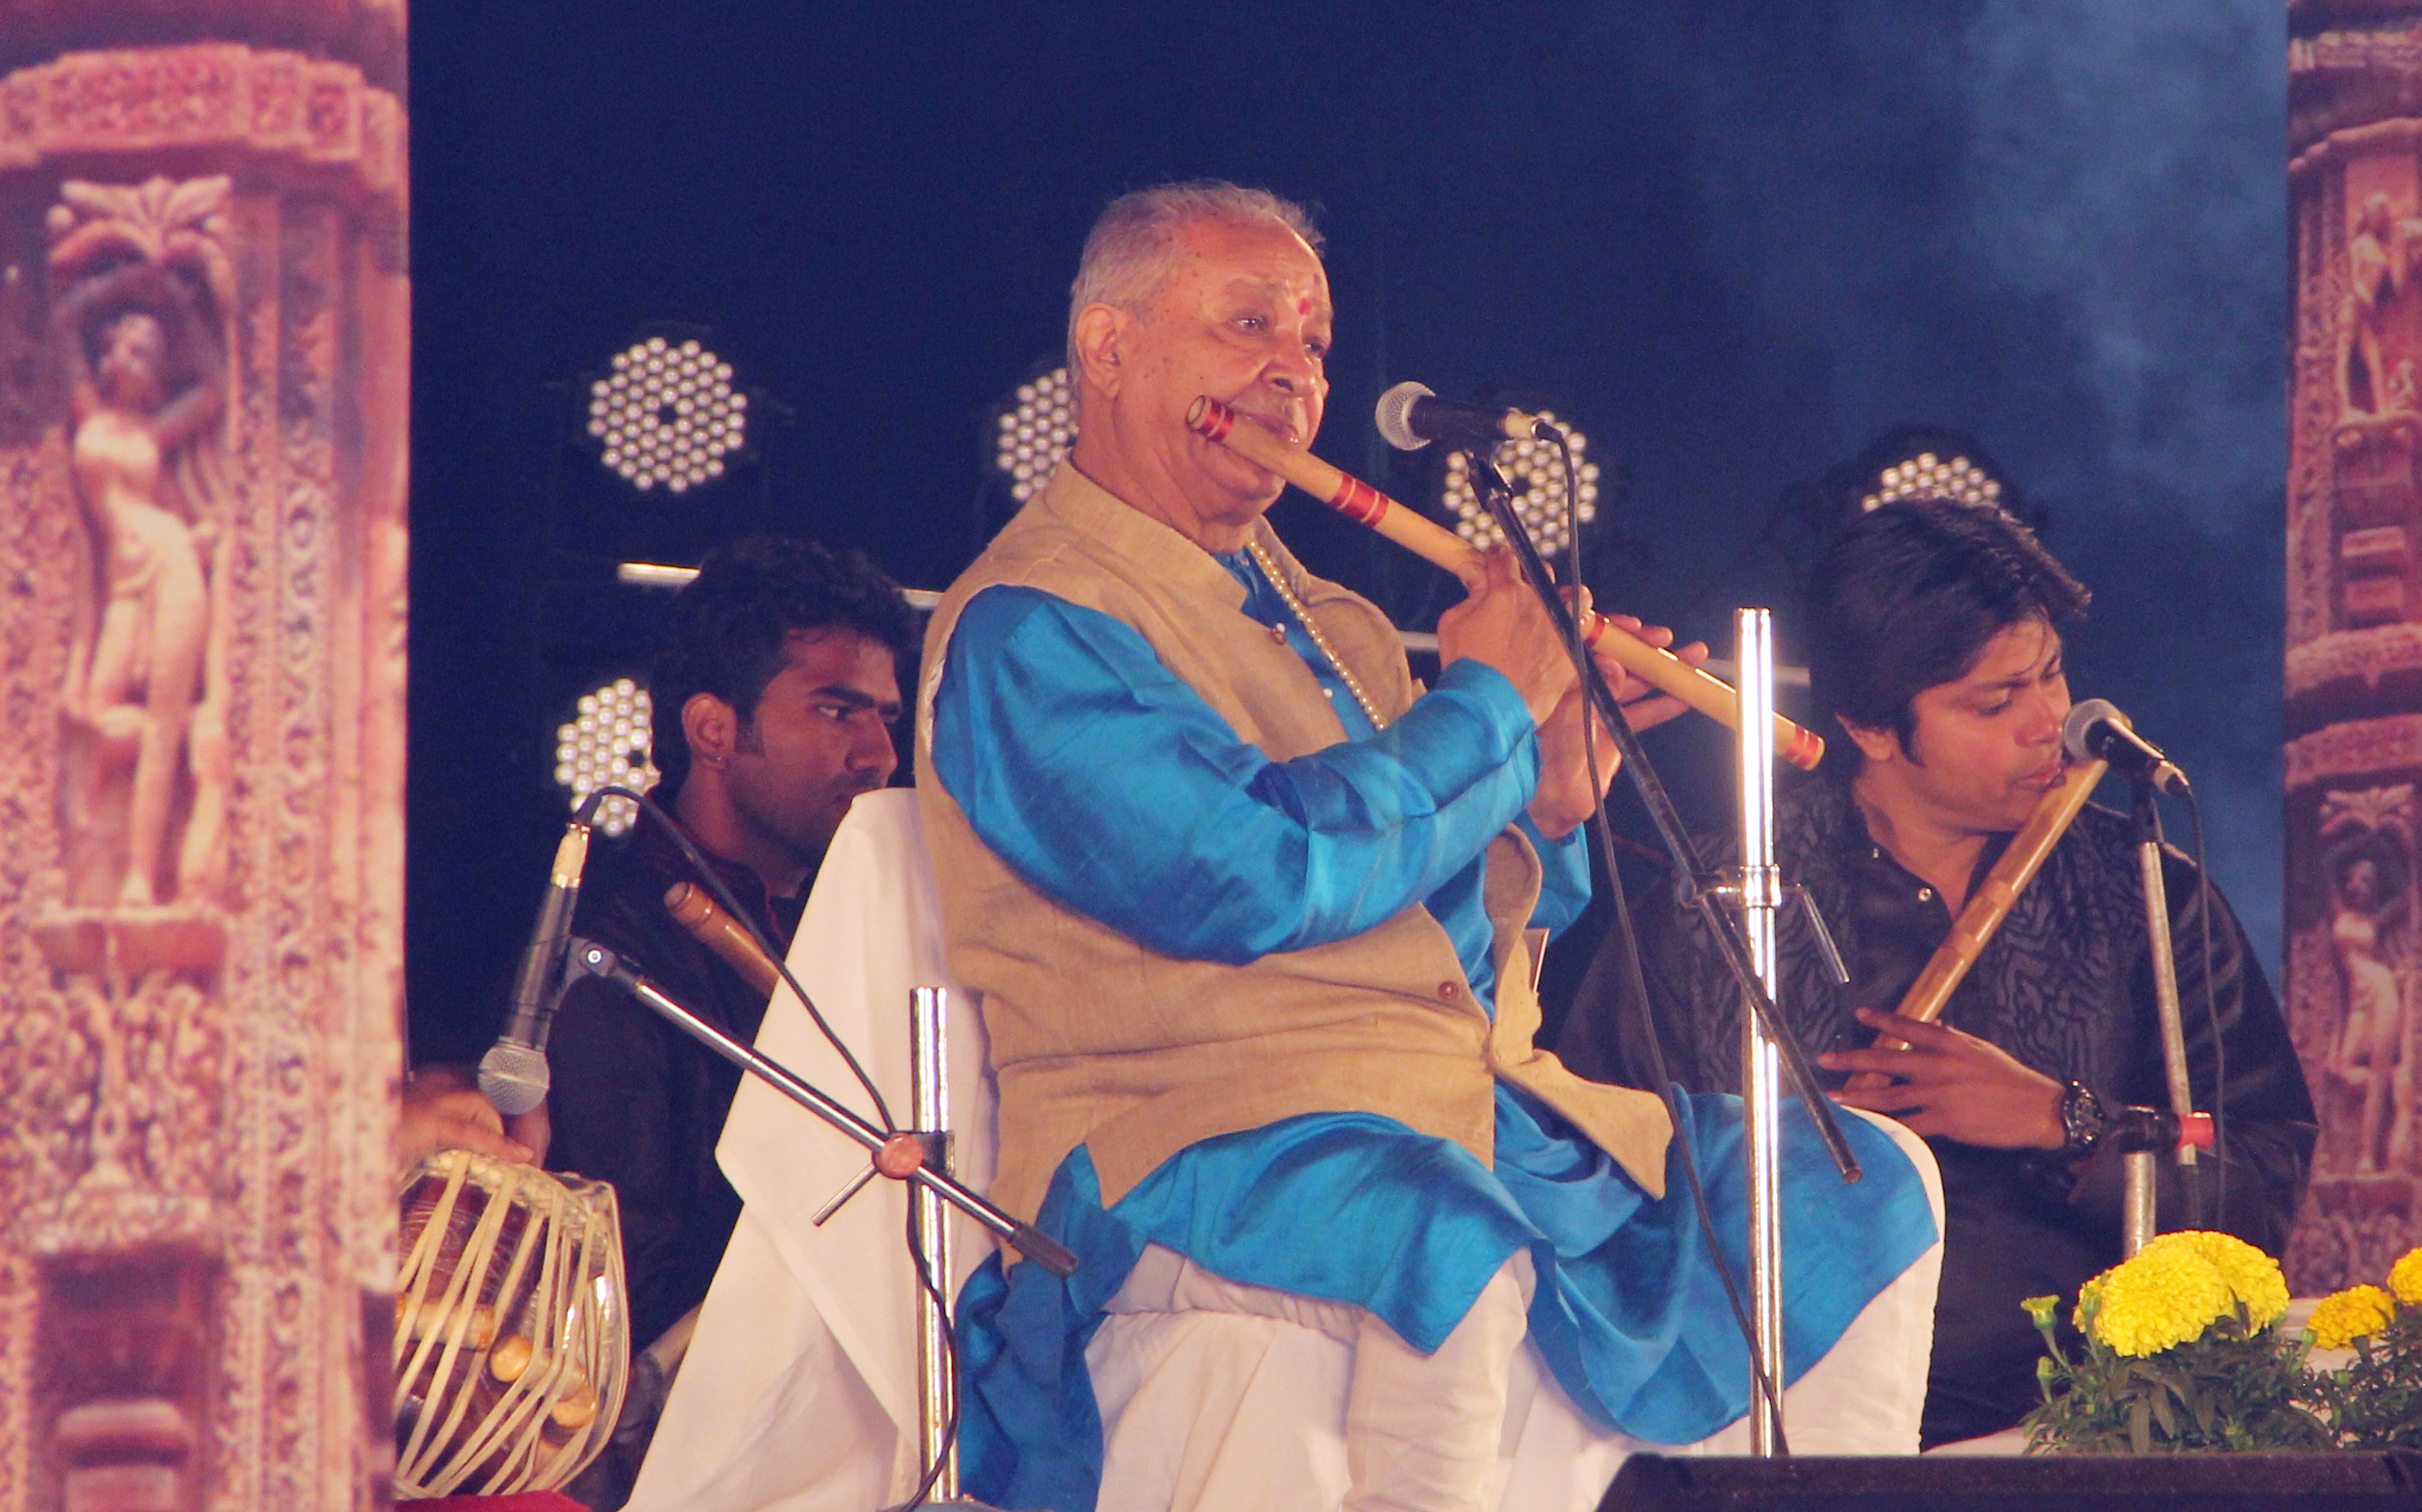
[
  {"x": 774, "y": 689},
  {"x": 1935, "y": 642}
]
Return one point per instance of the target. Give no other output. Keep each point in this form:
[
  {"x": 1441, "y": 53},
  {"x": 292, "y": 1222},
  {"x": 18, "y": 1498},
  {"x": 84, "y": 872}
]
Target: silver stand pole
[
  {"x": 929, "y": 1073},
  {"x": 1761, "y": 1060},
  {"x": 2139, "y": 1222},
  {"x": 938, "y": 1389}
]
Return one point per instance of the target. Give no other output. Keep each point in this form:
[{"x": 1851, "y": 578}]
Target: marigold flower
[
  {"x": 2343, "y": 1317},
  {"x": 2159, "y": 1299},
  {"x": 2405, "y": 1278},
  {"x": 2253, "y": 1275}
]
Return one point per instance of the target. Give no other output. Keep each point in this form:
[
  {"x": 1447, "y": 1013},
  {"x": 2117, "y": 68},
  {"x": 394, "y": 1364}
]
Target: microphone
[
  {"x": 512, "y": 1075},
  {"x": 1410, "y": 417},
  {"x": 2095, "y": 730}
]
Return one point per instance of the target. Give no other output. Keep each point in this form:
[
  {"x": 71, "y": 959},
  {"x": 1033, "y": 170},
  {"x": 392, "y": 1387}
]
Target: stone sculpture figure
[
  {"x": 2378, "y": 326},
  {"x": 2368, "y": 1041},
  {"x": 2375, "y": 276},
  {"x": 143, "y": 369},
  {"x": 2371, "y": 908}
]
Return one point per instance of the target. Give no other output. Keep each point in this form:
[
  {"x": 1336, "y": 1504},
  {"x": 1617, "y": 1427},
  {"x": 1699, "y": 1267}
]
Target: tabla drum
[{"x": 513, "y": 1334}]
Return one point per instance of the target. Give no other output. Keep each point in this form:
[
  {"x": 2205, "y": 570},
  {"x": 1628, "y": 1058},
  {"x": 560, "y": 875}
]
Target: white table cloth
[{"x": 799, "y": 1392}]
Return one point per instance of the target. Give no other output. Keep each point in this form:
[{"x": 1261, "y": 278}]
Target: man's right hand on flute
[{"x": 1503, "y": 625}]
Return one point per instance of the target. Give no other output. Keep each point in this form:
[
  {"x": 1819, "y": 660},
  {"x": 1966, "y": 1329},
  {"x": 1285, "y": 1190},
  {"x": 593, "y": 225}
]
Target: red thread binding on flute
[
  {"x": 1214, "y": 420},
  {"x": 1358, "y": 501}
]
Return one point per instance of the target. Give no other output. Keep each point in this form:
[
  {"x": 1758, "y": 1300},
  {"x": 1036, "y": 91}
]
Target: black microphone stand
[
  {"x": 1498, "y": 496},
  {"x": 902, "y": 1157}
]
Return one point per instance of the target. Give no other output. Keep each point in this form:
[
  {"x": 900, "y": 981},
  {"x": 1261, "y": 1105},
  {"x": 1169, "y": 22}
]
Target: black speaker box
[{"x": 2101, "y": 1483}]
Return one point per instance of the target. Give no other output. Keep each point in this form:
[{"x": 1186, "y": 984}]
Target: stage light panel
[
  {"x": 606, "y": 743},
  {"x": 666, "y": 415},
  {"x": 1535, "y": 471},
  {"x": 1926, "y": 474},
  {"x": 1036, "y": 426}
]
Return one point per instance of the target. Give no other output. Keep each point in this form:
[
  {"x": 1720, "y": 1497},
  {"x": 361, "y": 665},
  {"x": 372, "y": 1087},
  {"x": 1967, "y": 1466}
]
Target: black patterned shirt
[{"x": 2066, "y": 986}]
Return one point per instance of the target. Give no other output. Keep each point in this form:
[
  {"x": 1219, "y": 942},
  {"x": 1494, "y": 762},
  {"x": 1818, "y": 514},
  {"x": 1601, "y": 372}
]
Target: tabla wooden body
[{"x": 513, "y": 1333}]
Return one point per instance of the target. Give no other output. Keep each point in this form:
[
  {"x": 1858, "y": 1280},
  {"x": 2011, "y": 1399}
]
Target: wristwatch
[{"x": 2081, "y": 1121}]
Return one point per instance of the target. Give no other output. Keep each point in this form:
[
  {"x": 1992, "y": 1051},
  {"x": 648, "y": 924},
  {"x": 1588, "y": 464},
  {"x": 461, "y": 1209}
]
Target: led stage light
[
  {"x": 606, "y": 744},
  {"x": 1536, "y": 470},
  {"x": 668, "y": 414}
]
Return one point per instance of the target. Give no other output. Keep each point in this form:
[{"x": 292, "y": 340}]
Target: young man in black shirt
[
  {"x": 774, "y": 690},
  {"x": 1935, "y": 645}
]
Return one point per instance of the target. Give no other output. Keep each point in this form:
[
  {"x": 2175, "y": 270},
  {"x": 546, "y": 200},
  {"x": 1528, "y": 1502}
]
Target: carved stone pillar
[
  {"x": 2354, "y": 627},
  {"x": 204, "y": 347}
]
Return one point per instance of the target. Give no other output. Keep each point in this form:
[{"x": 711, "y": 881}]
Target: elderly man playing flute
[
  {"x": 1248, "y": 910},
  {"x": 1935, "y": 641}
]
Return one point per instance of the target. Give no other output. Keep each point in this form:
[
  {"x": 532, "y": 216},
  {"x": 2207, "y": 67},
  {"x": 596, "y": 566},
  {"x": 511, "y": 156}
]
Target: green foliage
[
  {"x": 2375, "y": 1401},
  {"x": 2235, "y": 1387}
]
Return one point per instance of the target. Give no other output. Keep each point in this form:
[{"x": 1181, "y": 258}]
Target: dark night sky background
[{"x": 1732, "y": 240}]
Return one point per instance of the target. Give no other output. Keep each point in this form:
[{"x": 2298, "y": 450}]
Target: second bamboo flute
[
  {"x": 1359, "y": 500},
  {"x": 1989, "y": 905}
]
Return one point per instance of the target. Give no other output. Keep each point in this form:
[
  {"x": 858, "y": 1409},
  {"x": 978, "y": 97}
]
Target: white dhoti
[{"x": 1217, "y": 1396}]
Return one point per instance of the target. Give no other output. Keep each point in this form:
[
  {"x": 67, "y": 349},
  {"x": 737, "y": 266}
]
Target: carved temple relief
[
  {"x": 204, "y": 363},
  {"x": 122, "y": 1063},
  {"x": 2354, "y": 665},
  {"x": 2379, "y": 341},
  {"x": 2358, "y": 1030},
  {"x": 2368, "y": 1097},
  {"x": 142, "y": 286}
]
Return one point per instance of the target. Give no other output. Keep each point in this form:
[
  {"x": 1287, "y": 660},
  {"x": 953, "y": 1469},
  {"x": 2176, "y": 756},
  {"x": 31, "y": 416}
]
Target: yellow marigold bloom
[
  {"x": 2405, "y": 1278},
  {"x": 2343, "y": 1317},
  {"x": 2159, "y": 1299},
  {"x": 2253, "y": 1275}
]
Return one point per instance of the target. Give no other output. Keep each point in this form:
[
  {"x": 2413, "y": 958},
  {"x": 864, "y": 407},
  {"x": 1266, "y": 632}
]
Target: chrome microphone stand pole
[
  {"x": 1761, "y": 897},
  {"x": 929, "y": 1075},
  {"x": 2139, "y": 1220}
]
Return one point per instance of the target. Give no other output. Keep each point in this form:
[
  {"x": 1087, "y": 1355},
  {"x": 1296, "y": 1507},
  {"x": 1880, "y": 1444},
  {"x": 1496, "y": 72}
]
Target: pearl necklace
[{"x": 1312, "y": 628}]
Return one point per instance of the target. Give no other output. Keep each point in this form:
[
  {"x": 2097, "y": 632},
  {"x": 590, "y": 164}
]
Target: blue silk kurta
[{"x": 1109, "y": 785}]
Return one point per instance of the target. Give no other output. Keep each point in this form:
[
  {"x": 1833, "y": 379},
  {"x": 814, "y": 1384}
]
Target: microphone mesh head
[
  {"x": 2082, "y": 718},
  {"x": 514, "y": 1078},
  {"x": 1394, "y": 415}
]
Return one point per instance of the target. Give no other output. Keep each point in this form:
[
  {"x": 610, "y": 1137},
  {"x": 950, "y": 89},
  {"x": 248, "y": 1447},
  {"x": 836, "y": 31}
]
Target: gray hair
[{"x": 1132, "y": 249}]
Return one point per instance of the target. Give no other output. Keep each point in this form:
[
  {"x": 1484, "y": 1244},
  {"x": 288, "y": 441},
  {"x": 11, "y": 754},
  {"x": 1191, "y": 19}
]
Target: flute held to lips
[
  {"x": 1987, "y": 906},
  {"x": 1359, "y": 500}
]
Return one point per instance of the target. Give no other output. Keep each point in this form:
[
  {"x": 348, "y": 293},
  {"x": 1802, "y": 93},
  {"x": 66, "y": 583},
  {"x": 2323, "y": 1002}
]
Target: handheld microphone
[
  {"x": 512, "y": 1075},
  {"x": 1409, "y": 417},
  {"x": 2097, "y": 731}
]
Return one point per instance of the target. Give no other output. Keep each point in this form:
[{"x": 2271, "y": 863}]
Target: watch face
[{"x": 2080, "y": 1118}]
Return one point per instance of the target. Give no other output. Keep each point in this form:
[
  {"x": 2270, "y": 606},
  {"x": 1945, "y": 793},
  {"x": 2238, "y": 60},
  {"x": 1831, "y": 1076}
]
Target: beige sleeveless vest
[{"x": 1097, "y": 1041}]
